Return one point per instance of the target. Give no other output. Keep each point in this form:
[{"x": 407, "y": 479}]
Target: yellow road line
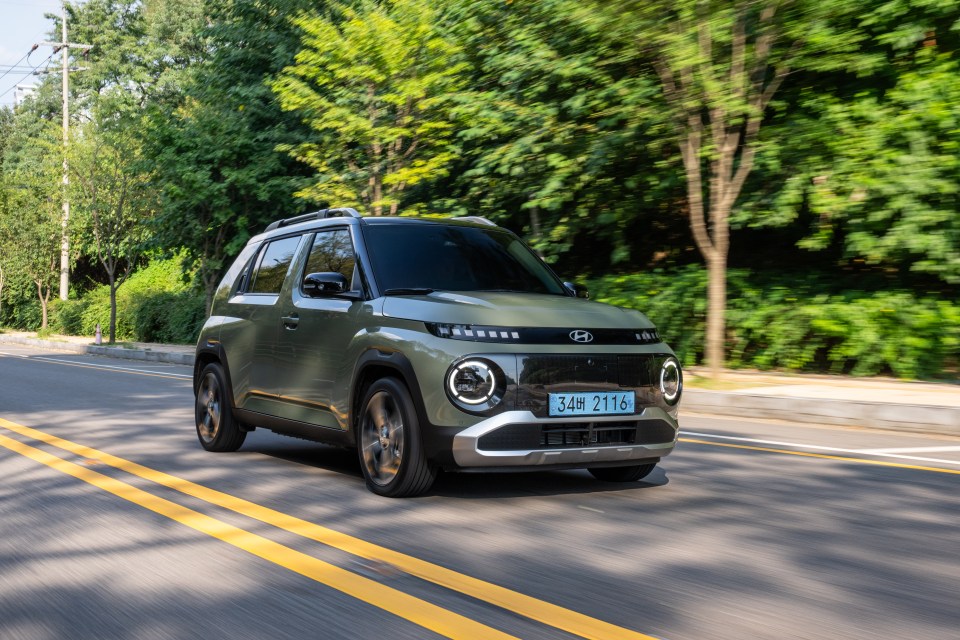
[
  {"x": 420, "y": 612},
  {"x": 514, "y": 601},
  {"x": 806, "y": 454}
]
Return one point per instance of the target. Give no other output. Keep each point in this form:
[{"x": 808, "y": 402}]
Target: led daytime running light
[{"x": 671, "y": 381}]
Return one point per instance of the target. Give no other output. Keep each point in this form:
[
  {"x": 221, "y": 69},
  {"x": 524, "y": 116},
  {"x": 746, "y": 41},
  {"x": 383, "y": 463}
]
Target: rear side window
[
  {"x": 333, "y": 251},
  {"x": 272, "y": 266}
]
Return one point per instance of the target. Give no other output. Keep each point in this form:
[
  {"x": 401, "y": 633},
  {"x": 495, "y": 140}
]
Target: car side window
[
  {"x": 332, "y": 251},
  {"x": 271, "y": 269}
]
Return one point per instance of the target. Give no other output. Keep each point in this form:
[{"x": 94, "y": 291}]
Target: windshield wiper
[{"x": 408, "y": 291}]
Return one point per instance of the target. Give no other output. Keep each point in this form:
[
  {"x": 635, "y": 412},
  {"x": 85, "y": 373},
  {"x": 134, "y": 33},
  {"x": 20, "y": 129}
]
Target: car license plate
[{"x": 591, "y": 403}]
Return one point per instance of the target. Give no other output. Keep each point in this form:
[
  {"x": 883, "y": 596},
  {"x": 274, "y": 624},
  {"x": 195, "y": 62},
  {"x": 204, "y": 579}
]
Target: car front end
[{"x": 512, "y": 396}]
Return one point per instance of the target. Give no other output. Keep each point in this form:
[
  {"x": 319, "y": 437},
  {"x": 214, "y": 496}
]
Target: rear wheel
[
  {"x": 217, "y": 429},
  {"x": 388, "y": 443},
  {"x": 622, "y": 474}
]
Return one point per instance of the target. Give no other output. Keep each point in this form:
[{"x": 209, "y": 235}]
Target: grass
[
  {"x": 48, "y": 334},
  {"x": 709, "y": 384}
]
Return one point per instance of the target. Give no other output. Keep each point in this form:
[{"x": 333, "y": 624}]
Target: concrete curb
[
  {"x": 916, "y": 418},
  {"x": 146, "y": 355},
  {"x": 875, "y": 415}
]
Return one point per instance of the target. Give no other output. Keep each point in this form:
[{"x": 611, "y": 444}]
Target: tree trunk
[
  {"x": 377, "y": 181},
  {"x": 716, "y": 312},
  {"x": 43, "y": 304},
  {"x": 113, "y": 309},
  {"x": 209, "y": 285},
  {"x": 723, "y": 100}
]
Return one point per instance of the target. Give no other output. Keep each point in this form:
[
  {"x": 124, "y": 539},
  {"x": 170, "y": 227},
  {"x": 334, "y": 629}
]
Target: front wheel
[
  {"x": 391, "y": 453},
  {"x": 622, "y": 474},
  {"x": 216, "y": 427}
]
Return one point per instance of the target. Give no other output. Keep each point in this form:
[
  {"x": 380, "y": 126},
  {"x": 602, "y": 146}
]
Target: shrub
[
  {"x": 798, "y": 324},
  {"x": 169, "y": 317},
  {"x": 154, "y": 305}
]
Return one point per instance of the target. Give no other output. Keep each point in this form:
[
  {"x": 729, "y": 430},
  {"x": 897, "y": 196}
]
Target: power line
[
  {"x": 25, "y": 76},
  {"x": 34, "y": 48}
]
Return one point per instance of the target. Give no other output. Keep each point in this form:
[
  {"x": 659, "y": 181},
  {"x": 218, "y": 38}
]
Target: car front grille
[
  {"x": 543, "y": 374},
  {"x": 620, "y": 370}
]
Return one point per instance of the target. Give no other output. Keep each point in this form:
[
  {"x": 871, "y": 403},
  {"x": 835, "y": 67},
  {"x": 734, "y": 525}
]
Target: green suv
[{"x": 429, "y": 344}]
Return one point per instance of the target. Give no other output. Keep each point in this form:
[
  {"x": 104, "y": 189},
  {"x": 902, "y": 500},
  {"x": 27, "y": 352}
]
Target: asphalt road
[{"x": 114, "y": 523}]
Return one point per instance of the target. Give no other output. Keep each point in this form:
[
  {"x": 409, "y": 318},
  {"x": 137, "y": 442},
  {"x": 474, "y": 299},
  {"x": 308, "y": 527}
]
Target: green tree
[
  {"x": 210, "y": 135},
  {"x": 6, "y": 127},
  {"x": 113, "y": 204},
  {"x": 720, "y": 66},
  {"x": 549, "y": 142},
  {"x": 885, "y": 182},
  {"x": 375, "y": 84},
  {"x": 30, "y": 219}
]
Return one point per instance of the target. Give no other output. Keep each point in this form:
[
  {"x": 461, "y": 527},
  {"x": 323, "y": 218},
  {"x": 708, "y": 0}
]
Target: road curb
[
  {"x": 875, "y": 415},
  {"x": 146, "y": 355},
  {"x": 929, "y": 419}
]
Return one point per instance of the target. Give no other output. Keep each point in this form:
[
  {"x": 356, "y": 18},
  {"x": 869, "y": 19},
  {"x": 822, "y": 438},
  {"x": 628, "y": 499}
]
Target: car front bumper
[{"x": 565, "y": 442}]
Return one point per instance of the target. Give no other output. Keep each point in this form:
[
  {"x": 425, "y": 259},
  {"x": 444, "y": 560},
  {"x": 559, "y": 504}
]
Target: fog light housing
[
  {"x": 671, "y": 381},
  {"x": 475, "y": 385}
]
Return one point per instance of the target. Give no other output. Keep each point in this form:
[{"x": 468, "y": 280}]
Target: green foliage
[
  {"x": 45, "y": 333},
  {"x": 112, "y": 203},
  {"x": 169, "y": 317},
  {"x": 550, "y": 116},
  {"x": 211, "y": 131},
  {"x": 155, "y": 305},
  {"x": 798, "y": 323},
  {"x": 562, "y": 139},
  {"x": 30, "y": 229},
  {"x": 20, "y": 309},
  {"x": 375, "y": 85},
  {"x": 886, "y": 179}
]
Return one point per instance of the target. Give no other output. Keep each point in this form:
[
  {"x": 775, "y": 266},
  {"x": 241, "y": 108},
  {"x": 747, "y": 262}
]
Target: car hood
[{"x": 513, "y": 310}]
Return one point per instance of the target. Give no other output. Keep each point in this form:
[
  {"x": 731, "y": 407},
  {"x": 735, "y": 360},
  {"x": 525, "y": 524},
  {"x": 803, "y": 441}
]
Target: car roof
[{"x": 279, "y": 229}]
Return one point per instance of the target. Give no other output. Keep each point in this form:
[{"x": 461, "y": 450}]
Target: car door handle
[{"x": 291, "y": 322}]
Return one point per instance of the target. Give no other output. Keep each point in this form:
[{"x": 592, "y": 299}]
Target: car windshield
[{"x": 417, "y": 258}]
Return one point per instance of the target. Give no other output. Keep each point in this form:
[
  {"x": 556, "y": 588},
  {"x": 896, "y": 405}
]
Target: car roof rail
[
  {"x": 342, "y": 212},
  {"x": 477, "y": 219}
]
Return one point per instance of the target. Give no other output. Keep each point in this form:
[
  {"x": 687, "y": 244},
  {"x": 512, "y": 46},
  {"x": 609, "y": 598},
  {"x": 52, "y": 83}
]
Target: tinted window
[
  {"x": 272, "y": 267},
  {"x": 332, "y": 251},
  {"x": 454, "y": 258}
]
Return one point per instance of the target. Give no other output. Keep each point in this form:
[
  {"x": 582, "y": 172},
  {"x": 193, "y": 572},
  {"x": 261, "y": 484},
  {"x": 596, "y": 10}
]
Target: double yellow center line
[{"x": 416, "y": 610}]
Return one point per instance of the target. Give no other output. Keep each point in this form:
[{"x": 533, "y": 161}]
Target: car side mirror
[
  {"x": 579, "y": 292},
  {"x": 325, "y": 285}
]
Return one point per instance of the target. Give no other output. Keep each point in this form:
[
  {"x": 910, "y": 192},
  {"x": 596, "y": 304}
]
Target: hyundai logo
[{"x": 579, "y": 335}]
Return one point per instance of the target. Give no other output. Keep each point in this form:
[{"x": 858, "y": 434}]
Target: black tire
[
  {"x": 217, "y": 429},
  {"x": 622, "y": 474},
  {"x": 388, "y": 442}
]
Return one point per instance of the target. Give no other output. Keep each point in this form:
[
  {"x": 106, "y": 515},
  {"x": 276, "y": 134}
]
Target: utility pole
[{"x": 64, "y": 47}]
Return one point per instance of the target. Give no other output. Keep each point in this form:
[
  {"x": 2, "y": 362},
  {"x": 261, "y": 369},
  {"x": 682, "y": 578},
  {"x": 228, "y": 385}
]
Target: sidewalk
[
  {"x": 148, "y": 351},
  {"x": 878, "y": 403}
]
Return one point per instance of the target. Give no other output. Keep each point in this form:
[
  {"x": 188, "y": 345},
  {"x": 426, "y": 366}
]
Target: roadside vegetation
[{"x": 775, "y": 183}]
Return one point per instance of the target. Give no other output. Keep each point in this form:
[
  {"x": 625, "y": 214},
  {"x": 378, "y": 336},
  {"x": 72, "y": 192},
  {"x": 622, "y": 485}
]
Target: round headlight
[
  {"x": 472, "y": 382},
  {"x": 671, "y": 381}
]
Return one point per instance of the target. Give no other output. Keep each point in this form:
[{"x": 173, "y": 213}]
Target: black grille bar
[
  {"x": 634, "y": 370},
  {"x": 573, "y": 435}
]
